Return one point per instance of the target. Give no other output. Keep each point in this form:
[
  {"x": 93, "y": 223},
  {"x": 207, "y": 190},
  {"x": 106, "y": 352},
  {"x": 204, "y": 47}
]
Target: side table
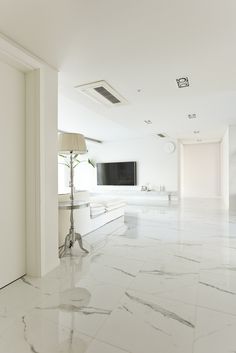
[{"x": 72, "y": 236}]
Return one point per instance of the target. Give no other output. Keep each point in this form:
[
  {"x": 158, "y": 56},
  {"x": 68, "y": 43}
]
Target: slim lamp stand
[{"x": 72, "y": 236}]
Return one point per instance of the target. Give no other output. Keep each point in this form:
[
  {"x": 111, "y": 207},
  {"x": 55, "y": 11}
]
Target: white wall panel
[{"x": 201, "y": 170}]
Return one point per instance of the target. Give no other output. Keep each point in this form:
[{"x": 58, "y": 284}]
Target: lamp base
[{"x": 70, "y": 240}]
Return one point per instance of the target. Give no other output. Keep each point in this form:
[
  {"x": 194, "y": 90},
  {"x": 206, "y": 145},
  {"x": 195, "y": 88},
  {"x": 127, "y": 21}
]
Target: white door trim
[{"x": 38, "y": 108}]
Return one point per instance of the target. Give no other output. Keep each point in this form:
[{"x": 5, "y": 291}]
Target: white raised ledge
[{"x": 139, "y": 197}]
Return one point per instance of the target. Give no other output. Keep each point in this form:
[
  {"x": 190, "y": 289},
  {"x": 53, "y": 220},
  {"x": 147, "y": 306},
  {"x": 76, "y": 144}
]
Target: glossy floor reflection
[{"x": 165, "y": 281}]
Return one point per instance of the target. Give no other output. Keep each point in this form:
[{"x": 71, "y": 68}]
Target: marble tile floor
[{"x": 163, "y": 282}]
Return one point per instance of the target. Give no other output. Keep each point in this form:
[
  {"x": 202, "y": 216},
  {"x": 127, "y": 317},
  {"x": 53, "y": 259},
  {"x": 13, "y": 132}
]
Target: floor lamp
[{"x": 71, "y": 143}]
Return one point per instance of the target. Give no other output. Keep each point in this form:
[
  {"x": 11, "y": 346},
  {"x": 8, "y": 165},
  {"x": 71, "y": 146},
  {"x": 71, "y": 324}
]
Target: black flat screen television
[{"x": 121, "y": 173}]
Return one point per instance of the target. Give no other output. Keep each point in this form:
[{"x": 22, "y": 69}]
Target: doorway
[
  {"x": 12, "y": 176},
  {"x": 200, "y": 170}
]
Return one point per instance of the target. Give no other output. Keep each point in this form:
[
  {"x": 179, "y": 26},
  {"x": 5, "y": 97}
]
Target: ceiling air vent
[
  {"x": 102, "y": 92},
  {"x": 161, "y": 135}
]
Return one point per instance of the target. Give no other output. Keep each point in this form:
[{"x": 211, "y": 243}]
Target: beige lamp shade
[{"x": 68, "y": 142}]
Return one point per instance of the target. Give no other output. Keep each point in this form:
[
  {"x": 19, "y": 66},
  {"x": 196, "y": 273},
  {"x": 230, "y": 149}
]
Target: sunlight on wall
[{"x": 84, "y": 177}]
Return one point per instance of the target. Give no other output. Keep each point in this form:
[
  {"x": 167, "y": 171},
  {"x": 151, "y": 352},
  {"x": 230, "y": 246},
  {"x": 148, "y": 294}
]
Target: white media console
[{"x": 152, "y": 197}]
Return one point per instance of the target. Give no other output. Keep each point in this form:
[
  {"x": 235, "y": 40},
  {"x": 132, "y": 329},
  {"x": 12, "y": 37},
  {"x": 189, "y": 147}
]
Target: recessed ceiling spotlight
[
  {"x": 161, "y": 135},
  {"x": 182, "y": 82},
  {"x": 148, "y": 122},
  {"x": 196, "y": 131},
  {"x": 192, "y": 116}
]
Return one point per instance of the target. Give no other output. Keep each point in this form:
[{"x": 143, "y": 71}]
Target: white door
[{"x": 12, "y": 174}]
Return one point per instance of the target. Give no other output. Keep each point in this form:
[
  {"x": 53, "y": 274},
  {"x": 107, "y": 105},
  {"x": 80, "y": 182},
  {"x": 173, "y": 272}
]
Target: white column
[{"x": 41, "y": 161}]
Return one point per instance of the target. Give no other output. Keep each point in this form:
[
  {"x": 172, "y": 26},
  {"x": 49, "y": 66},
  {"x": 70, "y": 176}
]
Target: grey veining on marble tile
[
  {"x": 215, "y": 332},
  {"x": 160, "y": 310},
  {"x": 143, "y": 322},
  {"x": 158, "y": 329},
  {"x": 31, "y": 346},
  {"x": 165, "y": 281},
  {"x": 124, "y": 272},
  {"x": 85, "y": 310},
  {"x": 124, "y": 307},
  {"x": 166, "y": 273},
  {"x": 32, "y": 333},
  {"x": 217, "y": 288},
  {"x": 187, "y": 259}
]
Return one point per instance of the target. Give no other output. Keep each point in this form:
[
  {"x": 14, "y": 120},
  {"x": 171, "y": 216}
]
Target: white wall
[
  {"x": 42, "y": 150},
  {"x": 12, "y": 176},
  {"x": 232, "y": 167},
  {"x": 225, "y": 168},
  {"x": 201, "y": 170},
  {"x": 154, "y": 165},
  {"x": 180, "y": 169},
  {"x": 49, "y": 96}
]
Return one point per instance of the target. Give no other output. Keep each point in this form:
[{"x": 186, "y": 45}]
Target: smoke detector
[{"x": 102, "y": 92}]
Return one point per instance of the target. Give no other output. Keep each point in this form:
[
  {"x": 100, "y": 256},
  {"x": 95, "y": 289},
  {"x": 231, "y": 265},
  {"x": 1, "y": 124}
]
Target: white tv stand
[{"x": 137, "y": 196}]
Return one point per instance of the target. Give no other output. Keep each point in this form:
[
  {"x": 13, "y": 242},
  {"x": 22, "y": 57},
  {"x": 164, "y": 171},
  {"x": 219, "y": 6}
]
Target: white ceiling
[{"x": 135, "y": 44}]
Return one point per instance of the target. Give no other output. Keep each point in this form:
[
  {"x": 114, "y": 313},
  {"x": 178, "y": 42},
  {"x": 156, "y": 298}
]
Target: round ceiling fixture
[{"x": 169, "y": 147}]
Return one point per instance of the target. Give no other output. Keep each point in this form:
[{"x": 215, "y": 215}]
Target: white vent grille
[{"x": 102, "y": 92}]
